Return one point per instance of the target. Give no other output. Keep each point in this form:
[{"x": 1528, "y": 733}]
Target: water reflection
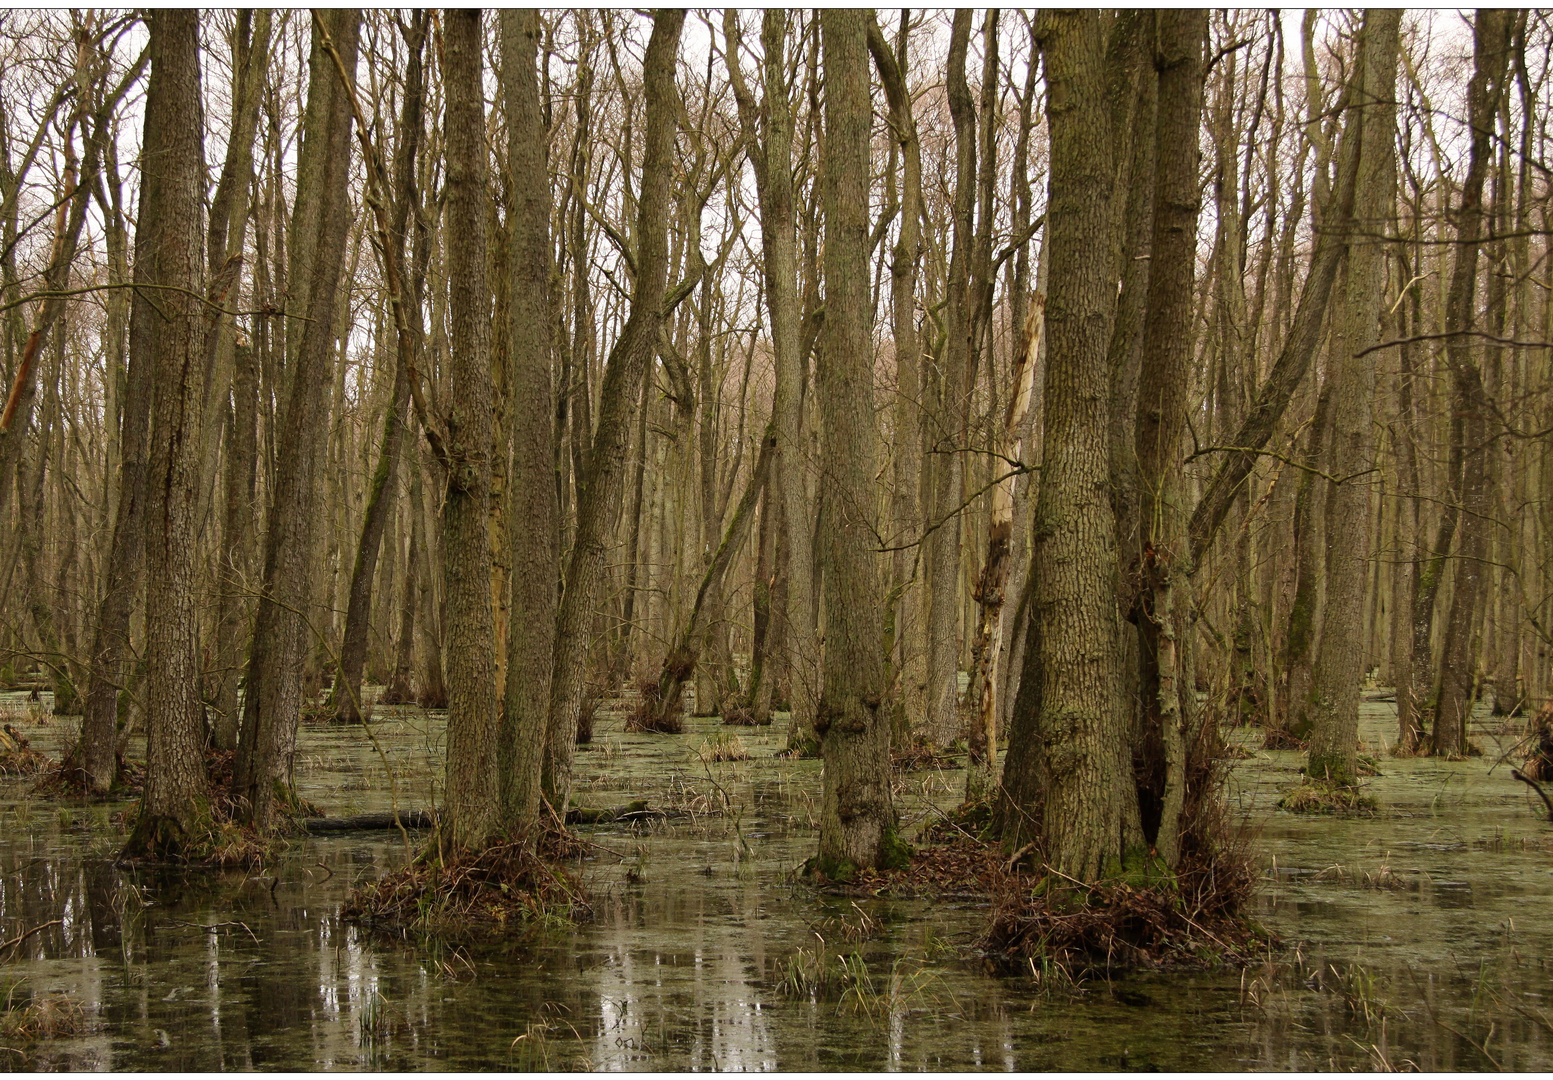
[{"x": 1442, "y": 966}]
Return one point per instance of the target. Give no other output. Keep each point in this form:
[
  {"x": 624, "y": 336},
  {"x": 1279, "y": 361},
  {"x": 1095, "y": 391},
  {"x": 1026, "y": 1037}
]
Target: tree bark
[
  {"x": 169, "y": 823},
  {"x": 952, "y": 429},
  {"x": 472, "y": 809},
  {"x": 772, "y": 158},
  {"x": 1457, "y": 678},
  {"x": 346, "y": 696},
  {"x": 534, "y": 527},
  {"x": 1165, "y": 685},
  {"x": 857, "y": 818},
  {"x": 1062, "y": 782}
]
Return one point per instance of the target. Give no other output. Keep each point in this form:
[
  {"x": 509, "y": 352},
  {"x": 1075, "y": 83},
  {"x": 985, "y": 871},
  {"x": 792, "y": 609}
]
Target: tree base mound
[
  {"x": 16, "y": 757},
  {"x": 1321, "y": 797},
  {"x": 470, "y": 894},
  {"x": 1041, "y": 921}
]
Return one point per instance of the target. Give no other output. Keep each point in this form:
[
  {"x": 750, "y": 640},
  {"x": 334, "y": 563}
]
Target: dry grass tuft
[
  {"x": 33, "y": 1019},
  {"x": 723, "y": 748}
]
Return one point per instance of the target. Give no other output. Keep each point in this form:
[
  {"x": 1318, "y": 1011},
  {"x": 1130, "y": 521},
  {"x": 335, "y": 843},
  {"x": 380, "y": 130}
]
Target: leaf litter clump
[{"x": 468, "y": 894}]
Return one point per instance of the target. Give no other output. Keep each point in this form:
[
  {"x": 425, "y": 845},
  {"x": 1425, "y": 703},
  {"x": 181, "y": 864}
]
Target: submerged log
[{"x": 636, "y": 810}]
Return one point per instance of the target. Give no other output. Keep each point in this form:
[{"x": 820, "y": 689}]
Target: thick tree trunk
[
  {"x": 534, "y": 527},
  {"x": 173, "y": 150},
  {"x": 1062, "y": 777},
  {"x": 1339, "y": 667},
  {"x": 857, "y": 818},
  {"x": 346, "y": 696},
  {"x": 273, "y": 700}
]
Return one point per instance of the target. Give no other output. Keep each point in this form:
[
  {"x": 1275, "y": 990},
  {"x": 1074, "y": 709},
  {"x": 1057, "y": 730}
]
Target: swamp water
[{"x": 1420, "y": 935}]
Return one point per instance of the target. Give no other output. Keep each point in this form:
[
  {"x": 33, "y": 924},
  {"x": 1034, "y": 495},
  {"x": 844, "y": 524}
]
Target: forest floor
[{"x": 1410, "y": 934}]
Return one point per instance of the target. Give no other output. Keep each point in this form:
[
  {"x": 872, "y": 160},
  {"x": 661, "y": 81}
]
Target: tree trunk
[
  {"x": 273, "y": 699},
  {"x": 473, "y": 793},
  {"x": 857, "y": 818},
  {"x": 1491, "y": 31},
  {"x": 346, "y": 696},
  {"x": 602, "y": 488},
  {"x": 1339, "y": 667},
  {"x": 1062, "y": 782},
  {"x": 534, "y": 527},
  {"x": 906, "y": 412},
  {"x": 772, "y": 158},
  {"x": 952, "y": 427},
  {"x": 173, "y": 151},
  {"x": 1165, "y": 684}
]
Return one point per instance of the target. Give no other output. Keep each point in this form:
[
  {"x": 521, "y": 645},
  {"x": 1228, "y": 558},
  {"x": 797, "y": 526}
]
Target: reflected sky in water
[{"x": 681, "y": 970}]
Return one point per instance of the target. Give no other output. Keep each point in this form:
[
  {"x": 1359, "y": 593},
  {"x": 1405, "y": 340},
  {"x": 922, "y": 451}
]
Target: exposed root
[
  {"x": 68, "y": 779},
  {"x": 1147, "y": 917},
  {"x": 740, "y": 716},
  {"x": 471, "y": 894},
  {"x": 645, "y": 716},
  {"x": 1279, "y": 739}
]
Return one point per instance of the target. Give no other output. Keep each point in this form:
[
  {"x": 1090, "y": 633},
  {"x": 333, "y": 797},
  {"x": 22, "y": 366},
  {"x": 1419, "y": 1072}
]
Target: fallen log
[
  {"x": 636, "y": 810},
  {"x": 410, "y": 819}
]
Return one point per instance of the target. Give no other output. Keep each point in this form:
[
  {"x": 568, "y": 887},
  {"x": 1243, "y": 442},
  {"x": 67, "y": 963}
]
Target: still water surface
[{"x": 698, "y": 919}]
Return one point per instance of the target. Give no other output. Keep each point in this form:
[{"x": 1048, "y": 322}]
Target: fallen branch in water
[{"x": 1523, "y": 778}]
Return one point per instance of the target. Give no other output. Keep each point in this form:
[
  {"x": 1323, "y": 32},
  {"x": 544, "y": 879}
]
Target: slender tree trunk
[
  {"x": 953, "y": 419},
  {"x": 346, "y": 696},
  {"x": 1165, "y": 685},
  {"x": 534, "y": 529},
  {"x": 603, "y": 486},
  {"x": 273, "y": 698},
  {"x": 772, "y": 157},
  {"x": 1339, "y": 668}
]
